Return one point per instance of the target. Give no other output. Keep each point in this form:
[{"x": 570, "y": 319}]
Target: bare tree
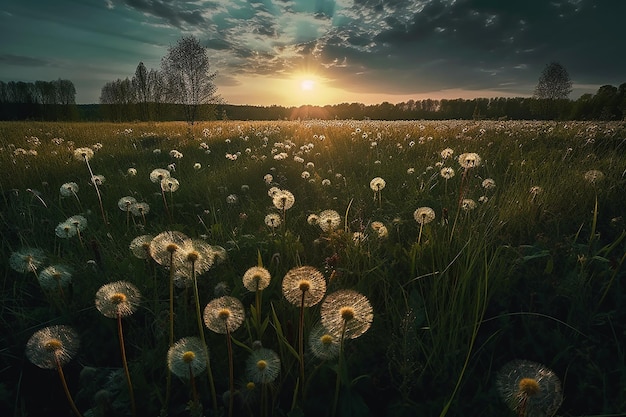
[
  {"x": 190, "y": 82},
  {"x": 554, "y": 83}
]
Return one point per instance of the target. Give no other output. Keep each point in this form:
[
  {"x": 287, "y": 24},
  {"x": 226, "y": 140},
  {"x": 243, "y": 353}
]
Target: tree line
[
  {"x": 183, "y": 88},
  {"x": 40, "y": 100}
]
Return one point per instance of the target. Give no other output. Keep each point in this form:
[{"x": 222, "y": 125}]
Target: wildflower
[
  {"x": 346, "y": 314},
  {"x": 186, "y": 358},
  {"x": 380, "y": 229},
  {"x": 329, "y": 220},
  {"x": 197, "y": 254},
  {"x": 263, "y": 366},
  {"x": 304, "y": 286},
  {"x": 446, "y": 153},
  {"x": 312, "y": 219},
  {"x": 305, "y": 175},
  {"x": 27, "y": 260},
  {"x": 283, "y": 200},
  {"x": 124, "y": 203},
  {"x": 410, "y": 171},
  {"x": 176, "y": 154},
  {"x": 131, "y": 172},
  {"x": 117, "y": 299},
  {"x": 377, "y": 184},
  {"x": 232, "y": 199},
  {"x": 488, "y": 184},
  {"x": 83, "y": 154},
  {"x": 139, "y": 209},
  {"x": 224, "y": 314},
  {"x": 323, "y": 345},
  {"x": 68, "y": 189},
  {"x": 140, "y": 246},
  {"x": 468, "y": 204},
  {"x": 157, "y": 175},
  {"x": 594, "y": 176},
  {"x": 52, "y": 346},
  {"x": 326, "y": 182},
  {"x": 256, "y": 279},
  {"x": 164, "y": 245},
  {"x": 272, "y": 220},
  {"x": 268, "y": 178},
  {"x": 447, "y": 173},
  {"x": 529, "y": 388},
  {"x": 424, "y": 215},
  {"x": 469, "y": 160},
  {"x": 170, "y": 184},
  {"x": 65, "y": 230},
  {"x": 273, "y": 191},
  {"x": 98, "y": 180},
  {"x": 197, "y": 166},
  {"x": 55, "y": 277}
]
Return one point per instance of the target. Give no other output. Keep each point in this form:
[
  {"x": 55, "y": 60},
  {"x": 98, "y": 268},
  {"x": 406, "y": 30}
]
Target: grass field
[{"x": 462, "y": 268}]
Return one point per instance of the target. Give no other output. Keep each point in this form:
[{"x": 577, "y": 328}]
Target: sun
[{"x": 307, "y": 85}]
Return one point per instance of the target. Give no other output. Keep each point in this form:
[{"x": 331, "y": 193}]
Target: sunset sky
[{"x": 294, "y": 52}]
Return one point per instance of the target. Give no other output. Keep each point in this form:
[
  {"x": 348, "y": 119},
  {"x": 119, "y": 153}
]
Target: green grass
[{"x": 524, "y": 275}]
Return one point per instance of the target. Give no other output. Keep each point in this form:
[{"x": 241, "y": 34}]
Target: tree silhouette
[
  {"x": 554, "y": 83},
  {"x": 190, "y": 83}
]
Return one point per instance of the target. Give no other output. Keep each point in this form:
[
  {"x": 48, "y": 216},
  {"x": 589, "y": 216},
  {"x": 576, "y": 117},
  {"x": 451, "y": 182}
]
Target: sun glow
[{"x": 307, "y": 85}]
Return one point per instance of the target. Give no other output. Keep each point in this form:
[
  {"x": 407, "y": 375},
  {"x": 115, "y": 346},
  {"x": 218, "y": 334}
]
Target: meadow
[{"x": 348, "y": 268}]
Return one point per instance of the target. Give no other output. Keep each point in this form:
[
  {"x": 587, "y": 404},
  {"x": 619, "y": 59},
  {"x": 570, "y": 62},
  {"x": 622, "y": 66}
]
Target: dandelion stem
[
  {"x": 231, "y": 373},
  {"x": 339, "y": 365},
  {"x": 66, "y": 389},
  {"x": 125, "y": 363},
  {"x": 301, "y": 342},
  {"x": 196, "y": 297}
]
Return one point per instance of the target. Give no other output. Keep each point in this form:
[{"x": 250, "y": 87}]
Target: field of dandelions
[{"x": 316, "y": 268}]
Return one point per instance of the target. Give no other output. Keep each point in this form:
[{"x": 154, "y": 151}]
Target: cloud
[{"x": 23, "y": 61}]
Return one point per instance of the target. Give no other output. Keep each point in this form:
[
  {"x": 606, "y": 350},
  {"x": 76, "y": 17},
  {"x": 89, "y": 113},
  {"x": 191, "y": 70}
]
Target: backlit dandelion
[
  {"x": 124, "y": 204},
  {"x": 65, "y": 230},
  {"x": 140, "y": 246},
  {"x": 262, "y": 366},
  {"x": 469, "y": 160},
  {"x": 329, "y": 220},
  {"x": 594, "y": 176},
  {"x": 51, "y": 348},
  {"x": 69, "y": 189},
  {"x": 529, "y": 388},
  {"x": 446, "y": 153},
  {"x": 140, "y": 209},
  {"x": 423, "y": 215},
  {"x": 273, "y": 220},
  {"x": 27, "y": 260},
  {"x": 83, "y": 154},
  {"x": 55, "y": 277},
  {"x": 467, "y": 204},
  {"x": 224, "y": 315},
  {"x": 303, "y": 286},
  {"x": 117, "y": 300},
  {"x": 170, "y": 184},
  {"x": 323, "y": 344},
  {"x": 488, "y": 184},
  {"x": 377, "y": 184},
  {"x": 346, "y": 314},
  {"x": 186, "y": 358},
  {"x": 256, "y": 278},
  {"x": 159, "y": 174},
  {"x": 131, "y": 172}
]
